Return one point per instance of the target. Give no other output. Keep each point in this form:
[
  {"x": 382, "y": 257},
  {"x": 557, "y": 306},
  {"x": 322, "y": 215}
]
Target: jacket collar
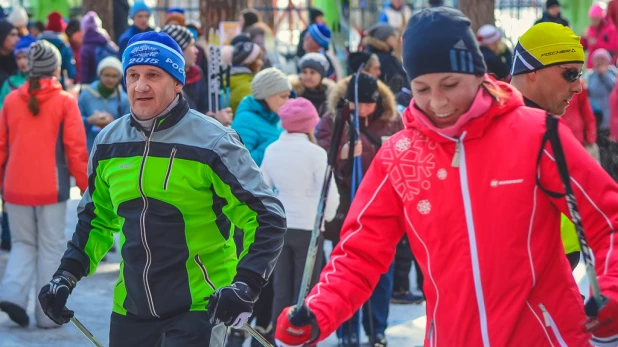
[
  {"x": 531, "y": 103},
  {"x": 167, "y": 120}
]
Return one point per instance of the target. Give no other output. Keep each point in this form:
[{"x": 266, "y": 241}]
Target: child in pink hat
[{"x": 294, "y": 166}]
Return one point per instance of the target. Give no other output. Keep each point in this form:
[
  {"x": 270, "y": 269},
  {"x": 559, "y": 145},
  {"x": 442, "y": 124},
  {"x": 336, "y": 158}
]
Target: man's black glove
[
  {"x": 54, "y": 295},
  {"x": 231, "y": 305}
]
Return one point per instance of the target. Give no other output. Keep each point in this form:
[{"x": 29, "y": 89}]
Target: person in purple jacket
[{"x": 96, "y": 46}]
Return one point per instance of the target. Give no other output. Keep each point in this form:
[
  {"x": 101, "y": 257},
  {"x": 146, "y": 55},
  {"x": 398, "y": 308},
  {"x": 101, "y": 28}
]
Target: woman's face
[
  {"x": 310, "y": 78},
  {"x": 110, "y": 77},
  {"x": 365, "y": 109},
  {"x": 444, "y": 97},
  {"x": 595, "y": 21},
  {"x": 276, "y": 101}
]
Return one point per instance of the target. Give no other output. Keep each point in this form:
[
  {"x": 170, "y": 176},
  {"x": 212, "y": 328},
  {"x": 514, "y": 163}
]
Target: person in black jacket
[
  {"x": 381, "y": 40},
  {"x": 489, "y": 40},
  {"x": 552, "y": 14},
  {"x": 195, "y": 90},
  {"x": 8, "y": 41},
  {"x": 121, "y": 10}
]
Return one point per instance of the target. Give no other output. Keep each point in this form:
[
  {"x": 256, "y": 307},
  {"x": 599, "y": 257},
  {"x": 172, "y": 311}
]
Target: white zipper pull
[
  {"x": 455, "y": 162},
  {"x": 546, "y": 316}
]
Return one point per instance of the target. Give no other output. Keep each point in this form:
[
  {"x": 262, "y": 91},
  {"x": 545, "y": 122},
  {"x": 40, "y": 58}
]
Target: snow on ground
[{"x": 92, "y": 302}]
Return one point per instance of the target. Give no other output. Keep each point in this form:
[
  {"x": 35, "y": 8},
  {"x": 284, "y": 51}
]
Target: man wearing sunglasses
[{"x": 547, "y": 65}]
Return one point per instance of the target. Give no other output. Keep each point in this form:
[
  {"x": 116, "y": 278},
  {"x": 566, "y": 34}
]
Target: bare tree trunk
[
  {"x": 214, "y": 11},
  {"x": 105, "y": 10},
  {"x": 480, "y": 12}
]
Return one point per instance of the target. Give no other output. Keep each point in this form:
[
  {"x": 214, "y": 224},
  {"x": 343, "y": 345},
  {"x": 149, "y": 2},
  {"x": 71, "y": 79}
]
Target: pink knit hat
[
  {"x": 596, "y": 11},
  {"x": 298, "y": 116},
  {"x": 601, "y": 53}
]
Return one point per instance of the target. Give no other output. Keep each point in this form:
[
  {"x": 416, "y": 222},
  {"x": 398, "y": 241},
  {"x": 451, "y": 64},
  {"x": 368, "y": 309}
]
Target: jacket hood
[
  {"x": 389, "y": 107},
  {"x": 93, "y": 37},
  {"x": 53, "y": 38},
  {"x": 50, "y": 87},
  {"x": 250, "y": 105},
  {"x": 300, "y": 89},
  {"x": 477, "y": 126},
  {"x": 374, "y": 45}
]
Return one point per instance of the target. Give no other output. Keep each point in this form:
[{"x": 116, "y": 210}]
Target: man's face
[
  {"x": 553, "y": 91},
  {"x": 150, "y": 89},
  {"x": 554, "y": 11},
  {"x": 141, "y": 20},
  {"x": 77, "y": 37},
  {"x": 11, "y": 40},
  {"x": 374, "y": 68},
  {"x": 320, "y": 20},
  {"x": 190, "y": 55},
  {"x": 22, "y": 62},
  {"x": 396, "y": 4},
  {"x": 309, "y": 44}
]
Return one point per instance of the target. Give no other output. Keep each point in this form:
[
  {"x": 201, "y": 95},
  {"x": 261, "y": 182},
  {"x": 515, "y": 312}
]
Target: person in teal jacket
[
  {"x": 103, "y": 101},
  {"x": 21, "y": 57},
  {"x": 55, "y": 26},
  {"x": 256, "y": 119}
]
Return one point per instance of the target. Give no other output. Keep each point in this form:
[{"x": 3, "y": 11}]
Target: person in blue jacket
[
  {"x": 256, "y": 119},
  {"x": 103, "y": 101},
  {"x": 140, "y": 13},
  {"x": 52, "y": 34}
]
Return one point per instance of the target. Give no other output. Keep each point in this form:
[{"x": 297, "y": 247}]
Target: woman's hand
[{"x": 358, "y": 150}]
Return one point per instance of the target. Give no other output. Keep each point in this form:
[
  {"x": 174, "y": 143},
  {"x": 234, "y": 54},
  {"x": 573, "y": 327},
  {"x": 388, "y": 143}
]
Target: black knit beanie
[
  {"x": 368, "y": 92},
  {"x": 5, "y": 29},
  {"x": 439, "y": 40}
]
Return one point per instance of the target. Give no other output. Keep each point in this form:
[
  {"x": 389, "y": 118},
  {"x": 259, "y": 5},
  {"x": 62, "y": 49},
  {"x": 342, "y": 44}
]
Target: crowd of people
[{"x": 70, "y": 92}]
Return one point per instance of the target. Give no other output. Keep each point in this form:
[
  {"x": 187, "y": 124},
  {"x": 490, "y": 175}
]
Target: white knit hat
[
  {"x": 269, "y": 82},
  {"x": 18, "y": 17},
  {"x": 109, "y": 62},
  {"x": 488, "y": 34}
]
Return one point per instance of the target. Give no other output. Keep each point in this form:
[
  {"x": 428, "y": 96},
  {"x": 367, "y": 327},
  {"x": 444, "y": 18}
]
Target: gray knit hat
[
  {"x": 381, "y": 31},
  {"x": 269, "y": 82},
  {"x": 180, "y": 34},
  {"x": 43, "y": 59},
  {"x": 245, "y": 53},
  {"x": 315, "y": 61}
]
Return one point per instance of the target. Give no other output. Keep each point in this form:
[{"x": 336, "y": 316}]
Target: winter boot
[
  {"x": 406, "y": 298},
  {"x": 16, "y": 313},
  {"x": 348, "y": 341},
  {"x": 378, "y": 341},
  {"x": 235, "y": 338}
]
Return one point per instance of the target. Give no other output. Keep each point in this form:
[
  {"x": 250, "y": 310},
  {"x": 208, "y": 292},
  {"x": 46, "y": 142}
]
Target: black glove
[
  {"x": 53, "y": 297},
  {"x": 231, "y": 305}
]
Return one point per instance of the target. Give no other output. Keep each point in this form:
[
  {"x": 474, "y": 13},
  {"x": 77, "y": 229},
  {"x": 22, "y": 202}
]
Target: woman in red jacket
[
  {"x": 600, "y": 34},
  {"x": 42, "y": 144},
  {"x": 461, "y": 181}
]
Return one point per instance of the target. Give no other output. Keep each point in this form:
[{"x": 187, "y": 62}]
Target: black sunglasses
[{"x": 571, "y": 74}]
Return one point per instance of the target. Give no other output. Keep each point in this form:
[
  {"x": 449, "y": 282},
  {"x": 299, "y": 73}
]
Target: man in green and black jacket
[{"x": 173, "y": 183}]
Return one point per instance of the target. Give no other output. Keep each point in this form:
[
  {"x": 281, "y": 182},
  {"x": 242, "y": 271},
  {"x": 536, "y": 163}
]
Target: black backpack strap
[{"x": 551, "y": 124}]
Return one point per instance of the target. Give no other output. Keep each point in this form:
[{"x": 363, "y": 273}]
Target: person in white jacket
[{"x": 294, "y": 166}]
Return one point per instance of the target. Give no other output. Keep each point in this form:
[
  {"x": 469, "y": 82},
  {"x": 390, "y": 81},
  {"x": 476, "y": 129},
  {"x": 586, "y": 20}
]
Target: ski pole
[
  {"x": 86, "y": 332},
  {"x": 257, "y": 336},
  {"x": 343, "y": 113}
]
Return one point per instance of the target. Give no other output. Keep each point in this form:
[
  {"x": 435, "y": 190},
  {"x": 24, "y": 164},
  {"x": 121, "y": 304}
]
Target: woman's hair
[
  {"x": 33, "y": 102},
  {"x": 495, "y": 91},
  {"x": 254, "y": 66},
  {"x": 312, "y": 138},
  {"x": 251, "y": 17}
]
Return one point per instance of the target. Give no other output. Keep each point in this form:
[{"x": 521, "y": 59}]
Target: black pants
[
  {"x": 188, "y": 329},
  {"x": 403, "y": 264},
  {"x": 290, "y": 268}
]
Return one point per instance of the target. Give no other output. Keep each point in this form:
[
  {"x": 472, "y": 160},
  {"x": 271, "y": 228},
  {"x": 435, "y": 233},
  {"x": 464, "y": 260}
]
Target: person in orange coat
[{"x": 42, "y": 144}]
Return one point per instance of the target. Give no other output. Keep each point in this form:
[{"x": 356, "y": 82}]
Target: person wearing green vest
[{"x": 246, "y": 62}]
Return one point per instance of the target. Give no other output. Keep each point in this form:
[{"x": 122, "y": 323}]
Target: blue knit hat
[
  {"x": 155, "y": 49},
  {"x": 439, "y": 39},
  {"x": 176, "y": 10},
  {"x": 320, "y": 34},
  {"x": 139, "y": 6},
  {"x": 24, "y": 44}
]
